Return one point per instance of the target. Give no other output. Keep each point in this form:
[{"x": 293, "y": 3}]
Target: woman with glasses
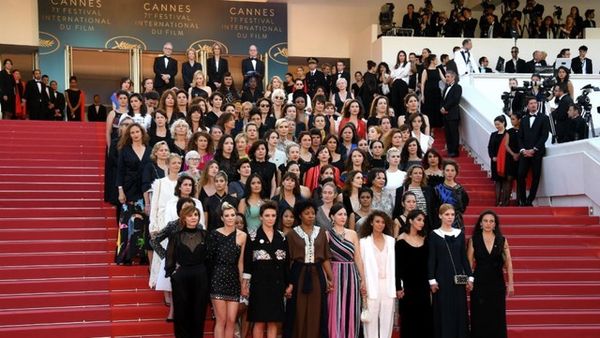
[{"x": 278, "y": 100}]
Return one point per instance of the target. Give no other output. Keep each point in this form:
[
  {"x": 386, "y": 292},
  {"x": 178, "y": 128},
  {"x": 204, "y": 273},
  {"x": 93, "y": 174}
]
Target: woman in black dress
[
  {"x": 225, "y": 248},
  {"x": 266, "y": 278},
  {"x": 416, "y": 317},
  {"x": 260, "y": 165},
  {"x": 448, "y": 259},
  {"x": 488, "y": 251},
  {"x": 432, "y": 95},
  {"x": 133, "y": 156},
  {"x": 75, "y": 98},
  {"x": 512, "y": 157},
  {"x": 497, "y": 153},
  {"x": 185, "y": 264}
]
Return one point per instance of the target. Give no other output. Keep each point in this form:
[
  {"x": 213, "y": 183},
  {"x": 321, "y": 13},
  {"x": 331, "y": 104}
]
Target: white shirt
[
  {"x": 39, "y": 85},
  {"x": 253, "y": 63},
  {"x": 402, "y": 72},
  {"x": 166, "y": 61},
  {"x": 217, "y": 64}
]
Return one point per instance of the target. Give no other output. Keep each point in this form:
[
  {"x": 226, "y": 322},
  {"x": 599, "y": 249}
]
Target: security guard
[{"x": 314, "y": 77}]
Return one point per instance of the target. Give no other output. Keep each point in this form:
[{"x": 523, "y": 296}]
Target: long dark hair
[
  {"x": 143, "y": 109},
  {"x": 248, "y": 187},
  {"x": 412, "y": 215},
  {"x": 404, "y": 153},
  {"x": 367, "y": 227},
  {"x": 219, "y": 152},
  {"x": 479, "y": 230}
]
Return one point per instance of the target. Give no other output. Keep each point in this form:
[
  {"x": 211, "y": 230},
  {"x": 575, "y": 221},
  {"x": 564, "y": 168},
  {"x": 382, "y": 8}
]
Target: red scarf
[
  {"x": 20, "y": 110},
  {"x": 501, "y": 157}
]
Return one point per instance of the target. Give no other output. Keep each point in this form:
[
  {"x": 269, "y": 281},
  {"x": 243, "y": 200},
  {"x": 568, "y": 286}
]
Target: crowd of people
[
  {"x": 309, "y": 207},
  {"x": 533, "y": 21}
]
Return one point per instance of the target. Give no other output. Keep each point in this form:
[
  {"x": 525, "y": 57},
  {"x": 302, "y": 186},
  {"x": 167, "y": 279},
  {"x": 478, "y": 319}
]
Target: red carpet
[{"x": 57, "y": 240}]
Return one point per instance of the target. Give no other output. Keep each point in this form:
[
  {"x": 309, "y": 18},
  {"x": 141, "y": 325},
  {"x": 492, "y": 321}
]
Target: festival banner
[{"x": 115, "y": 24}]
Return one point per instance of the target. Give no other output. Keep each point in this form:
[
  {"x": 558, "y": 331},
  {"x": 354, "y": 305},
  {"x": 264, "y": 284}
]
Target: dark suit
[
  {"x": 7, "y": 88},
  {"x": 37, "y": 101},
  {"x": 58, "y": 100},
  {"x": 159, "y": 69},
  {"x": 531, "y": 64},
  {"x": 531, "y": 137},
  {"x": 521, "y": 67},
  {"x": 576, "y": 66},
  {"x": 497, "y": 32},
  {"x": 534, "y": 12},
  {"x": 333, "y": 79},
  {"x": 214, "y": 74},
  {"x": 408, "y": 22},
  {"x": 589, "y": 24},
  {"x": 248, "y": 70},
  {"x": 314, "y": 81},
  {"x": 450, "y": 101},
  {"x": 187, "y": 73},
  {"x": 98, "y": 116},
  {"x": 561, "y": 118},
  {"x": 578, "y": 129},
  {"x": 469, "y": 27}
]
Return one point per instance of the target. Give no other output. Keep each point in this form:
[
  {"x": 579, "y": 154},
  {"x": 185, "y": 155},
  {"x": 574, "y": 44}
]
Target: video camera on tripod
[
  {"x": 583, "y": 101},
  {"x": 543, "y": 89}
]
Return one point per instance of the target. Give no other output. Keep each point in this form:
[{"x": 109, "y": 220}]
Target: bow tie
[
  {"x": 252, "y": 58},
  {"x": 533, "y": 115}
]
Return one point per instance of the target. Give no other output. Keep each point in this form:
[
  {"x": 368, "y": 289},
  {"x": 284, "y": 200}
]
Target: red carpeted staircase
[{"x": 57, "y": 240}]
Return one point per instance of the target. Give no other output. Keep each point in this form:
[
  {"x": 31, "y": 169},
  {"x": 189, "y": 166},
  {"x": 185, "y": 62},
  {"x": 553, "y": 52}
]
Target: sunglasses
[{"x": 265, "y": 105}]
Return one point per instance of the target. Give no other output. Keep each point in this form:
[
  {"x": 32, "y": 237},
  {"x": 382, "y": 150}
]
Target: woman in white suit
[{"x": 377, "y": 251}]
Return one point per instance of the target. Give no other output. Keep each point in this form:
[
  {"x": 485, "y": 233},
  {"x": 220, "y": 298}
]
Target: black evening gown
[
  {"x": 433, "y": 99},
  {"x": 488, "y": 298},
  {"x": 512, "y": 166},
  {"x": 450, "y": 301},
  {"x": 416, "y": 317},
  {"x": 493, "y": 146}
]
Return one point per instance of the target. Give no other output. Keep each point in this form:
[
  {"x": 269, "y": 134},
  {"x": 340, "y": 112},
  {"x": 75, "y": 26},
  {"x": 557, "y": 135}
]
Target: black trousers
[
  {"x": 525, "y": 164},
  {"x": 190, "y": 299},
  {"x": 452, "y": 136}
]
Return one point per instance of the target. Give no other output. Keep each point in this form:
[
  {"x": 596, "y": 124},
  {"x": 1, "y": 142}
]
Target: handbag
[
  {"x": 458, "y": 279},
  {"x": 364, "y": 313}
]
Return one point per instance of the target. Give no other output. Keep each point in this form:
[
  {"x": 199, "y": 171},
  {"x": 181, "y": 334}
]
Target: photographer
[
  {"x": 560, "y": 116},
  {"x": 534, "y": 10},
  {"x": 578, "y": 128}
]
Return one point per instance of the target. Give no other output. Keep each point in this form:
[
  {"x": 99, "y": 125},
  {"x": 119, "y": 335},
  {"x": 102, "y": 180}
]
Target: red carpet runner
[{"x": 57, "y": 240}]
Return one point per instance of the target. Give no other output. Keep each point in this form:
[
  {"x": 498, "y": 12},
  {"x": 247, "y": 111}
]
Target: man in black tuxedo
[
  {"x": 340, "y": 67},
  {"x": 493, "y": 28},
  {"x": 216, "y": 67},
  {"x": 535, "y": 62},
  {"x": 560, "y": 115},
  {"x": 314, "y": 77},
  {"x": 469, "y": 24},
  {"x": 578, "y": 128},
  {"x": 96, "y": 112},
  {"x": 532, "y": 139},
  {"x": 252, "y": 66},
  {"x": 515, "y": 64},
  {"x": 165, "y": 69},
  {"x": 36, "y": 97},
  {"x": 451, "y": 112},
  {"x": 57, "y": 103},
  {"x": 582, "y": 64},
  {"x": 589, "y": 19}
]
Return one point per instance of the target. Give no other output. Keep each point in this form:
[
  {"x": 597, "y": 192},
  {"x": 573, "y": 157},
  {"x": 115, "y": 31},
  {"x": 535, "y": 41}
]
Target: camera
[{"x": 557, "y": 12}]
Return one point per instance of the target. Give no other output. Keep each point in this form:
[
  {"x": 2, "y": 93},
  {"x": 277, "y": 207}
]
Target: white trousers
[{"x": 381, "y": 314}]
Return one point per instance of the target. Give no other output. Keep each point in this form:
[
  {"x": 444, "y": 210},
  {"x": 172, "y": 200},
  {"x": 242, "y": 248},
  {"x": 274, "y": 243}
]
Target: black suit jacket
[
  {"x": 534, "y": 136},
  {"x": 314, "y": 81},
  {"x": 497, "y": 32},
  {"x": 333, "y": 78},
  {"x": 576, "y": 66},
  {"x": 248, "y": 70},
  {"x": 37, "y": 102},
  {"x": 99, "y": 116},
  {"x": 7, "y": 84},
  {"x": 159, "y": 69},
  {"x": 187, "y": 73},
  {"x": 469, "y": 27},
  {"x": 58, "y": 99},
  {"x": 510, "y": 66},
  {"x": 451, "y": 101},
  {"x": 578, "y": 129},
  {"x": 214, "y": 74},
  {"x": 561, "y": 118}
]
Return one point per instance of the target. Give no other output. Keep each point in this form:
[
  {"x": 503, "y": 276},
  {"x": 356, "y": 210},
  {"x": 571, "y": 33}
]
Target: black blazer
[
  {"x": 159, "y": 69},
  {"x": 469, "y": 27},
  {"x": 7, "y": 84},
  {"x": 451, "y": 101},
  {"x": 576, "y": 66},
  {"x": 432, "y": 205},
  {"x": 187, "y": 73},
  {"x": 510, "y": 66},
  {"x": 314, "y": 81},
  {"x": 214, "y": 74},
  {"x": 531, "y": 65},
  {"x": 37, "y": 102},
  {"x": 497, "y": 32},
  {"x": 58, "y": 99},
  {"x": 99, "y": 116},
  {"x": 536, "y": 135},
  {"x": 248, "y": 69}
]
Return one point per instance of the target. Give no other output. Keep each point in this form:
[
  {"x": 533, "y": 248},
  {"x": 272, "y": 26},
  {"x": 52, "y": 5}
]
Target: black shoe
[{"x": 169, "y": 320}]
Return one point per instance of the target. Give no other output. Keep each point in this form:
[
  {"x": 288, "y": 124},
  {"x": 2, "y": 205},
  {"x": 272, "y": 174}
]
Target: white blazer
[
  {"x": 471, "y": 65},
  {"x": 367, "y": 251}
]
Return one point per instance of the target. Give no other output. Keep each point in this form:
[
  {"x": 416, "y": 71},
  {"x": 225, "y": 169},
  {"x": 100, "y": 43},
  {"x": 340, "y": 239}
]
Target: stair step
[
  {"x": 571, "y": 317},
  {"x": 542, "y": 211},
  {"x": 56, "y": 203},
  {"x": 57, "y": 234},
  {"x": 52, "y": 194},
  {"x": 56, "y": 245},
  {"x": 536, "y": 219},
  {"x": 8, "y": 260},
  {"x": 24, "y": 212}
]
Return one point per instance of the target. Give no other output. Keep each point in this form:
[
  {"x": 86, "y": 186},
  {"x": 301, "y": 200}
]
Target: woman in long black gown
[
  {"x": 185, "y": 264},
  {"x": 411, "y": 278},
  {"x": 266, "y": 265},
  {"x": 432, "y": 95},
  {"x": 512, "y": 157},
  {"x": 488, "y": 251},
  {"x": 448, "y": 258},
  {"x": 497, "y": 153}
]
